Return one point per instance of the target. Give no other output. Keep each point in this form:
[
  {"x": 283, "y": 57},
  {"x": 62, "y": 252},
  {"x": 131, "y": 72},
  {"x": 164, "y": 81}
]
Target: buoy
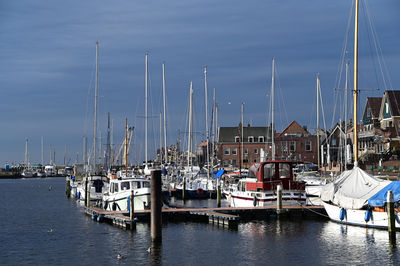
[
  {"x": 367, "y": 216},
  {"x": 342, "y": 214}
]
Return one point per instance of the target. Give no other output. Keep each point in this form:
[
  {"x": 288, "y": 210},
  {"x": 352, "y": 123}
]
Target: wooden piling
[
  {"x": 218, "y": 195},
  {"x": 184, "y": 189},
  {"x": 279, "y": 199},
  {"x": 156, "y": 202},
  {"x": 131, "y": 206},
  {"x": 391, "y": 217},
  {"x": 87, "y": 194},
  {"x": 68, "y": 189}
]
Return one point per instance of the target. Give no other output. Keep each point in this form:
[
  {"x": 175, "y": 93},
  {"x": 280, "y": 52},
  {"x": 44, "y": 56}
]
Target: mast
[
  {"x": 355, "y": 145},
  {"x": 161, "y": 154},
  {"x": 190, "y": 122},
  {"x": 126, "y": 147},
  {"x": 347, "y": 155},
  {"x": 318, "y": 140},
  {"x": 42, "y": 151},
  {"x": 165, "y": 114},
  {"x": 146, "y": 107},
  {"x": 84, "y": 157},
  {"x": 241, "y": 144},
  {"x": 26, "y": 154},
  {"x": 95, "y": 108},
  {"x": 272, "y": 109},
  {"x": 207, "y": 133},
  {"x": 214, "y": 136}
]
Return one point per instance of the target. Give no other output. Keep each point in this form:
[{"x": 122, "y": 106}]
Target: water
[{"x": 39, "y": 226}]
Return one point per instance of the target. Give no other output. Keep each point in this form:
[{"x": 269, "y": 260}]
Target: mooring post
[
  {"x": 184, "y": 189},
  {"x": 156, "y": 202},
  {"x": 68, "y": 189},
  {"x": 131, "y": 206},
  {"x": 87, "y": 193},
  {"x": 279, "y": 199},
  {"x": 218, "y": 194},
  {"x": 391, "y": 217}
]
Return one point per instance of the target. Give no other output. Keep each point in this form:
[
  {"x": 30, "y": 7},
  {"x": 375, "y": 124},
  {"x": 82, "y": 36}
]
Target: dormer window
[
  {"x": 261, "y": 139},
  {"x": 250, "y": 139}
]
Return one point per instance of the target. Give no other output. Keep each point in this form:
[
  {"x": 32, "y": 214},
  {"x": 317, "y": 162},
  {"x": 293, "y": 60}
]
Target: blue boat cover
[
  {"x": 219, "y": 173},
  {"x": 379, "y": 199}
]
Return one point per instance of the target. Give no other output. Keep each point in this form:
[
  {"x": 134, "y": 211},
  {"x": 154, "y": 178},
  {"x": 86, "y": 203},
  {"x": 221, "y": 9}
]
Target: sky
[{"x": 47, "y": 70}]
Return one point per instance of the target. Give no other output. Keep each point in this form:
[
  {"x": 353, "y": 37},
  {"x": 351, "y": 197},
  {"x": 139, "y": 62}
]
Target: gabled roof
[
  {"x": 228, "y": 134},
  {"x": 374, "y": 104},
  {"x": 394, "y": 102},
  {"x": 293, "y": 128}
]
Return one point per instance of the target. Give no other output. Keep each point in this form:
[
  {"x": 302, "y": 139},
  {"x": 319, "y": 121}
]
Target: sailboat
[
  {"x": 27, "y": 172},
  {"x": 355, "y": 197},
  {"x": 264, "y": 178}
]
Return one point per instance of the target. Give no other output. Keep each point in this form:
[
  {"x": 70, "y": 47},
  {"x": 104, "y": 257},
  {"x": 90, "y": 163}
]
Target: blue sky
[{"x": 47, "y": 55}]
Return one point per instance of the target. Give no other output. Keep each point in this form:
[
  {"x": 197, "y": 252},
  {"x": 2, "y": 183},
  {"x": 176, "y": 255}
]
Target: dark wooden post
[
  {"x": 184, "y": 188},
  {"x": 156, "y": 202},
  {"x": 131, "y": 206},
  {"x": 279, "y": 199},
  {"x": 391, "y": 218},
  {"x": 68, "y": 189},
  {"x": 87, "y": 193},
  {"x": 218, "y": 193}
]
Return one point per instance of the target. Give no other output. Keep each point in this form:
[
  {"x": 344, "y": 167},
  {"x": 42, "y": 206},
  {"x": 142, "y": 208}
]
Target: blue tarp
[
  {"x": 379, "y": 199},
  {"x": 219, "y": 173}
]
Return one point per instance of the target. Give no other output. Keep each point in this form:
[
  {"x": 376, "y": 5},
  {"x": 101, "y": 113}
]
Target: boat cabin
[
  {"x": 126, "y": 185},
  {"x": 268, "y": 175}
]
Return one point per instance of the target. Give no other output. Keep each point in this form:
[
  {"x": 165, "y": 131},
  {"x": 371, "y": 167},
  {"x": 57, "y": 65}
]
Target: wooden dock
[{"x": 225, "y": 216}]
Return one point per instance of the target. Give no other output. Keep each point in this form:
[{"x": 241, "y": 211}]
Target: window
[
  {"x": 234, "y": 151},
  {"x": 308, "y": 145},
  {"x": 255, "y": 151},
  {"x": 234, "y": 163},
  {"x": 284, "y": 145},
  {"x": 292, "y": 145},
  {"x": 333, "y": 142},
  {"x": 269, "y": 171},
  {"x": 246, "y": 151},
  {"x": 261, "y": 139},
  {"x": 250, "y": 139},
  {"x": 125, "y": 186},
  {"x": 237, "y": 139},
  {"x": 227, "y": 151},
  {"x": 284, "y": 170}
]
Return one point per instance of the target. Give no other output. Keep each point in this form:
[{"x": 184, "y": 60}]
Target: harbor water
[{"x": 40, "y": 226}]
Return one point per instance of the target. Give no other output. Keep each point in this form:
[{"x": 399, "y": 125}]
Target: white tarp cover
[{"x": 352, "y": 189}]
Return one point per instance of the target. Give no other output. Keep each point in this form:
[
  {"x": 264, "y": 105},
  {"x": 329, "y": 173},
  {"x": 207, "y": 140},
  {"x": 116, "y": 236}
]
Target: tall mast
[
  {"x": 42, "y": 152},
  {"x": 318, "y": 148},
  {"x": 84, "y": 155},
  {"x": 213, "y": 141},
  {"x": 272, "y": 109},
  {"x": 355, "y": 145},
  {"x": 190, "y": 122},
  {"x": 161, "y": 154},
  {"x": 207, "y": 133},
  {"x": 241, "y": 141},
  {"x": 347, "y": 155},
  {"x": 26, "y": 154},
  {"x": 126, "y": 147},
  {"x": 108, "y": 149},
  {"x": 165, "y": 114},
  {"x": 146, "y": 107},
  {"x": 95, "y": 107}
]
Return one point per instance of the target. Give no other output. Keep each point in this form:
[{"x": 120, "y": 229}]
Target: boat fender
[
  {"x": 114, "y": 206},
  {"x": 342, "y": 214},
  {"x": 368, "y": 214},
  {"x": 255, "y": 201},
  {"x": 129, "y": 204},
  {"x": 100, "y": 218},
  {"x": 79, "y": 195},
  {"x": 106, "y": 204},
  {"x": 199, "y": 191},
  {"x": 94, "y": 216}
]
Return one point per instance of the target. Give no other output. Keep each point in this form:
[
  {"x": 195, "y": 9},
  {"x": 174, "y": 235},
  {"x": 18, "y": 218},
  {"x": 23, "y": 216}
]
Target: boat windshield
[
  {"x": 269, "y": 171},
  {"x": 125, "y": 185},
  {"x": 284, "y": 170}
]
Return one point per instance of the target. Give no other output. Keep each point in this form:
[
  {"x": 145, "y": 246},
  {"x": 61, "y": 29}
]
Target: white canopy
[{"x": 352, "y": 189}]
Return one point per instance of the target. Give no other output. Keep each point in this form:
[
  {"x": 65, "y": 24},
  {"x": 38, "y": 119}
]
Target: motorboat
[
  {"x": 117, "y": 198},
  {"x": 259, "y": 189}
]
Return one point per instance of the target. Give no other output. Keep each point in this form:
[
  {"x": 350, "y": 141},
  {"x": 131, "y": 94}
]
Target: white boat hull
[
  {"x": 264, "y": 199},
  {"x": 356, "y": 217},
  {"x": 119, "y": 201}
]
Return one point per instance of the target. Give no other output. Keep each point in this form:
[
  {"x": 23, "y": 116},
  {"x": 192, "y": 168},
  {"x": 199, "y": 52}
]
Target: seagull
[
  {"x": 149, "y": 249},
  {"x": 120, "y": 257},
  {"x": 50, "y": 230}
]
